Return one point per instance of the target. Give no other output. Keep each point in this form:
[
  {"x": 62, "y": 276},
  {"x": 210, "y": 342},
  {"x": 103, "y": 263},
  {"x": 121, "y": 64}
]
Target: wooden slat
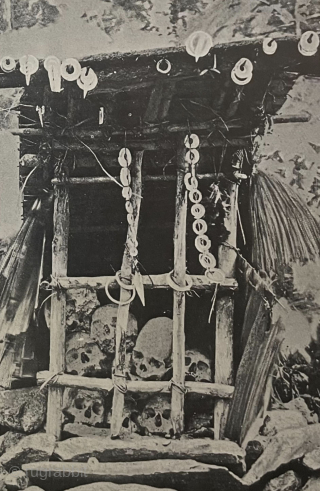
[
  {"x": 58, "y": 306},
  {"x": 199, "y": 282},
  {"x": 123, "y": 310},
  {"x": 179, "y": 271},
  {"x": 140, "y": 387},
  {"x": 224, "y": 315}
]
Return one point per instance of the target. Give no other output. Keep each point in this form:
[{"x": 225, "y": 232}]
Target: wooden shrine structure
[{"x": 149, "y": 112}]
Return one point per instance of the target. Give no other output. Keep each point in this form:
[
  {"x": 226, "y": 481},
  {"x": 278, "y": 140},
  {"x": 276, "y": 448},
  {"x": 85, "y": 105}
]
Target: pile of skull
[{"x": 149, "y": 355}]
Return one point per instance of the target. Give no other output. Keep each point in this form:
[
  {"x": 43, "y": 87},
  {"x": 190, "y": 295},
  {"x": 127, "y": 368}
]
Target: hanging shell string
[{"x": 199, "y": 226}]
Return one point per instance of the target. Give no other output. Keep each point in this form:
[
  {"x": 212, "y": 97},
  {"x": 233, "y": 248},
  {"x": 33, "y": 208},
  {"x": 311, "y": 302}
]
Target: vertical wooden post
[
  {"x": 179, "y": 302},
  {"x": 58, "y": 306},
  {"x": 224, "y": 315},
  {"x": 123, "y": 310}
]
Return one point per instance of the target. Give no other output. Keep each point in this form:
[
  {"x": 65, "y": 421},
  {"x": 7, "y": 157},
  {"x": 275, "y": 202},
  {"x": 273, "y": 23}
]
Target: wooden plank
[
  {"x": 123, "y": 310},
  {"x": 151, "y": 114},
  {"x": 140, "y": 387},
  {"x": 199, "y": 282},
  {"x": 224, "y": 315},
  {"x": 181, "y": 475},
  {"x": 205, "y": 450},
  {"x": 58, "y": 306},
  {"x": 179, "y": 272}
]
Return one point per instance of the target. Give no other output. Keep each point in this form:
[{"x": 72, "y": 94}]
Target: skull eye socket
[
  {"x": 155, "y": 363},
  {"x": 137, "y": 354},
  {"x": 149, "y": 412},
  {"x": 125, "y": 422},
  {"x": 75, "y": 355},
  {"x": 166, "y": 414},
  {"x": 97, "y": 408},
  {"x": 187, "y": 361},
  {"x": 79, "y": 403},
  {"x": 84, "y": 358},
  {"x": 193, "y": 368},
  {"x": 202, "y": 365}
]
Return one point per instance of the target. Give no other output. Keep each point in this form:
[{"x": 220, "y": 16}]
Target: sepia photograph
[{"x": 160, "y": 245}]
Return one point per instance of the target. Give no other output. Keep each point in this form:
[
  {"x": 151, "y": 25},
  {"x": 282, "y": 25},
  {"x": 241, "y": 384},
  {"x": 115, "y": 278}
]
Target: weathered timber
[
  {"x": 286, "y": 446},
  {"x": 151, "y": 114},
  {"x": 312, "y": 460},
  {"x": 199, "y": 282},
  {"x": 257, "y": 364},
  {"x": 58, "y": 306},
  {"x": 224, "y": 314},
  {"x": 75, "y": 181},
  {"x": 289, "y": 481},
  {"x": 312, "y": 485},
  {"x": 123, "y": 310},
  {"x": 179, "y": 301},
  {"x": 143, "y": 387},
  {"x": 182, "y": 475},
  {"x": 150, "y": 130},
  {"x": 110, "y": 486},
  {"x": 207, "y": 451}
]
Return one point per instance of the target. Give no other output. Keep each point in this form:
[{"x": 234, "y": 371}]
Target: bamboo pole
[
  {"x": 123, "y": 310},
  {"x": 75, "y": 181},
  {"x": 58, "y": 306},
  {"x": 179, "y": 271},
  {"x": 199, "y": 282},
  {"x": 224, "y": 315},
  {"x": 136, "y": 387}
]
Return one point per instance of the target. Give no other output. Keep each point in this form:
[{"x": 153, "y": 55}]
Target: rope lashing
[
  {"x": 120, "y": 387},
  {"x": 52, "y": 380},
  {"x": 176, "y": 386}
]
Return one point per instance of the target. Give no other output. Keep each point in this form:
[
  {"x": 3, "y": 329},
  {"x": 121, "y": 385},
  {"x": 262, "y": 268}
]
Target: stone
[
  {"x": 299, "y": 404},
  {"x": 290, "y": 481},
  {"x": 312, "y": 460},
  {"x": 77, "y": 429},
  {"x": 16, "y": 480},
  {"x": 9, "y": 439},
  {"x": 109, "y": 486},
  {"x": 312, "y": 485},
  {"x": 32, "y": 448},
  {"x": 206, "y": 450},
  {"x": 279, "y": 419},
  {"x": 286, "y": 446},
  {"x": 23, "y": 409}
]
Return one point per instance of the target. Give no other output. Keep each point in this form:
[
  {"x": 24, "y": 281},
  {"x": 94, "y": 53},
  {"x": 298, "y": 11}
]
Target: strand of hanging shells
[
  {"x": 125, "y": 160},
  {"x": 199, "y": 226}
]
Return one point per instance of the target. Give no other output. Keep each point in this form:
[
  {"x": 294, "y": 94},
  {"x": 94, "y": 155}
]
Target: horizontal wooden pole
[
  {"x": 220, "y": 391},
  {"x": 74, "y": 181},
  {"x": 151, "y": 129},
  {"x": 199, "y": 282}
]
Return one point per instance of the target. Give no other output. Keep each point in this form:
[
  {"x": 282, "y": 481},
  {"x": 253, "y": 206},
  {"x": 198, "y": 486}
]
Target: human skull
[
  {"x": 103, "y": 329},
  {"x": 197, "y": 367},
  {"x": 84, "y": 357},
  {"x": 156, "y": 415},
  {"x": 81, "y": 302},
  {"x": 131, "y": 418},
  {"x": 84, "y": 406},
  {"x": 152, "y": 354},
  {"x": 199, "y": 414}
]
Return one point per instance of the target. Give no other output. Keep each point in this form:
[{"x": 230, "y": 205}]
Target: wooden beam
[
  {"x": 123, "y": 310},
  {"x": 224, "y": 314},
  {"x": 75, "y": 181},
  {"x": 199, "y": 282},
  {"x": 58, "y": 306},
  {"x": 179, "y": 273},
  {"x": 137, "y": 387}
]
